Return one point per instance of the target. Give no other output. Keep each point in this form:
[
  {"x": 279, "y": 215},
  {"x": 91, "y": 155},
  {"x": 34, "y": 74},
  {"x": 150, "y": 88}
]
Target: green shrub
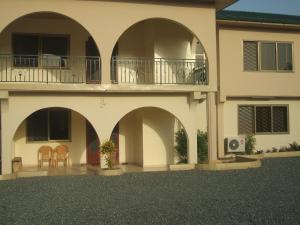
[
  {"x": 294, "y": 146},
  {"x": 250, "y": 142},
  {"x": 181, "y": 146},
  {"x": 107, "y": 148},
  {"x": 202, "y": 146}
]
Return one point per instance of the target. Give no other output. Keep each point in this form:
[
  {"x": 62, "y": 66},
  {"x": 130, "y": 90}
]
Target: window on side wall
[
  {"x": 268, "y": 56},
  {"x": 263, "y": 119},
  {"x": 49, "y": 125}
]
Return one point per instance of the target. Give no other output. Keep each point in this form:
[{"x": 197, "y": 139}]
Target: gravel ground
[{"x": 266, "y": 196}]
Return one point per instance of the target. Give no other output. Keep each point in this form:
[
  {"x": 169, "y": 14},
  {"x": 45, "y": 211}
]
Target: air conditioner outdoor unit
[{"x": 235, "y": 144}]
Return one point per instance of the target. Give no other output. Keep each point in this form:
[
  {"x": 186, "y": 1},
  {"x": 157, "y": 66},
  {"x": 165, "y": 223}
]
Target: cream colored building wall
[
  {"x": 77, "y": 144},
  {"x": 202, "y": 114},
  {"x": 131, "y": 139},
  {"x": 136, "y": 41},
  {"x": 94, "y": 16},
  {"x": 266, "y": 141},
  {"x": 147, "y": 138},
  {"x": 158, "y": 138},
  {"x": 156, "y": 38},
  {"x": 172, "y": 40},
  {"x": 234, "y": 81},
  {"x": 78, "y": 37},
  {"x": 103, "y": 110}
]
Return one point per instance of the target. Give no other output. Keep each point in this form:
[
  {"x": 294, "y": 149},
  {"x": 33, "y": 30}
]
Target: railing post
[
  {"x": 99, "y": 70},
  {"x": 47, "y": 72},
  {"x": 113, "y": 74},
  {"x": 160, "y": 59},
  {"x": 177, "y": 71}
]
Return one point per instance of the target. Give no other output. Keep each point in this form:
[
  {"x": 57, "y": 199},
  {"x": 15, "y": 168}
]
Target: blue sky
[{"x": 290, "y": 7}]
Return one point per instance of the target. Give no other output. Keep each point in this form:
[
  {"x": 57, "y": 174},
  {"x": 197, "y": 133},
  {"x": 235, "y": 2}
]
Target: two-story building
[
  {"x": 80, "y": 72},
  {"x": 258, "y": 78}
]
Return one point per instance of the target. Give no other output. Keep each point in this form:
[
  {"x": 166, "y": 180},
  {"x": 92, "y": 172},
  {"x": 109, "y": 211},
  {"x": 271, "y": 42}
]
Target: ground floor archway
[
  {"x": 56, "y": 126},
  {"x": 104, "y": 111},
  {"x": 147, "y": 137}
]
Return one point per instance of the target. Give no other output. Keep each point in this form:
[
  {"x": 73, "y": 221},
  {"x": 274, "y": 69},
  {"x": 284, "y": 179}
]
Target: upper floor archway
[{"x": 160, "y": 51}]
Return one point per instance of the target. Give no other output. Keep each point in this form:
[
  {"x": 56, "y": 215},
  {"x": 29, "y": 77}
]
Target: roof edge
[
  {"x": 222, "y": 4},
  {"x": 257, "y": 17}
]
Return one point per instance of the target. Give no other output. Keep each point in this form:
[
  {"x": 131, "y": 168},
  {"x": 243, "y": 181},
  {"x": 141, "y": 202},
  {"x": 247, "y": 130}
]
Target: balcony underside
[{"x": 96, "y": 88}]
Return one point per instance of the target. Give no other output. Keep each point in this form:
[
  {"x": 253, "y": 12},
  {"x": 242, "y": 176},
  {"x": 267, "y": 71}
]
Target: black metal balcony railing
[
  {"x": 159, "y": 71},
  {"x": 50, "y": 69}
]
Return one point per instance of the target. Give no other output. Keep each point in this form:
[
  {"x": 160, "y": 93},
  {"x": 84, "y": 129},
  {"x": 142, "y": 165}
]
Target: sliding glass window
[{"x": 268, "y": 56}]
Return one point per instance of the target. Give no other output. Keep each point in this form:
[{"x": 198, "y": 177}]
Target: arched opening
[
  {"x": 53, "y": 127},
  {"x": 146, "y": 138},
  {"x": 159, "y": 51},
  {"x": 46, "y": 47}
]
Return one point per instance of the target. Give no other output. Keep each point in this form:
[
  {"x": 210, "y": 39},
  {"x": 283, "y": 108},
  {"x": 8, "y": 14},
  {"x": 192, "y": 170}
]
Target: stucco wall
[
  {"x": 266, "y": 141},
  {"x": 158, "y": 138},
  {"x": 77, "y": 144},
  {"x": 202, "y": 116},
  {"x": 234, "y": 81},
  {"x": 94, "y": 16},
  {"x": 41, "y": 25},
  {"x": 103, "y": 110},
  {"x": 155, "y": 38},
  {"x": 131, "y": 139},
  {"x": 172, "y": 40},
  {"x": 147, "y": 137},
  {"x": 137, "y": 41},
  {"x": 35, "y": 25}
]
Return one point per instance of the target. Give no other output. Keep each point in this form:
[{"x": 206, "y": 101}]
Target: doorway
[
  {"x": 115, "y": 139},
  {"x": 92, "y": 146},
  {"x": 92, "y": 62}
]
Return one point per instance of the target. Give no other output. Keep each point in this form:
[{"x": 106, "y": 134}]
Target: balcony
[
  {"x": 160, "y": 71},
  {"x": 50, "y": 69}
]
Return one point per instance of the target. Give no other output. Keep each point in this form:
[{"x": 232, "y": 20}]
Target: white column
[
  {"x": 192, "y": 146},
  {"x": 192, "y": 130},
  {"x": 105, "y": 69},
  {"x": 6, "y": 139},
  {"x": 212, "y": 127},
  {"x": 221, "y": 151}
]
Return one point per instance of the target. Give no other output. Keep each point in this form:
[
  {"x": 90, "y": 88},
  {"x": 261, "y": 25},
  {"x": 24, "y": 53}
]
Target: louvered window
[
  {"x": 246, "y": 119},
  {"x": 268, "y": 56},
  {"x": 280, "y": 119},
  {"x": 250, "y": 56},
  {"x": 262, "y": 119}
]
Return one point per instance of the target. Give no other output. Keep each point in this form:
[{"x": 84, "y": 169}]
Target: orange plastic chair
[
  {"x": 61, "y": 154},
  {"x": 44, "y": 155}
]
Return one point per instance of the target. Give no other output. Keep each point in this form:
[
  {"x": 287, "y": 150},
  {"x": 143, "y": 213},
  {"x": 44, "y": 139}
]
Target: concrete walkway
[{"x": 269, "y": 195}]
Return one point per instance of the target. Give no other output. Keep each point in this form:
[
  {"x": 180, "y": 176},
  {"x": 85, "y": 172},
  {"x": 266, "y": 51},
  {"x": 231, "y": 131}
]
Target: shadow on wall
[
  {"x": 147, "y": 137},
  {"x": 131, "y": 135},
  {"x": 158, "y": 131}
]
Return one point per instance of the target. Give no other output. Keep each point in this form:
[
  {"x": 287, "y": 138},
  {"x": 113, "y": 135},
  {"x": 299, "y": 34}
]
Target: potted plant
[{"x": 107, "y": 150}]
